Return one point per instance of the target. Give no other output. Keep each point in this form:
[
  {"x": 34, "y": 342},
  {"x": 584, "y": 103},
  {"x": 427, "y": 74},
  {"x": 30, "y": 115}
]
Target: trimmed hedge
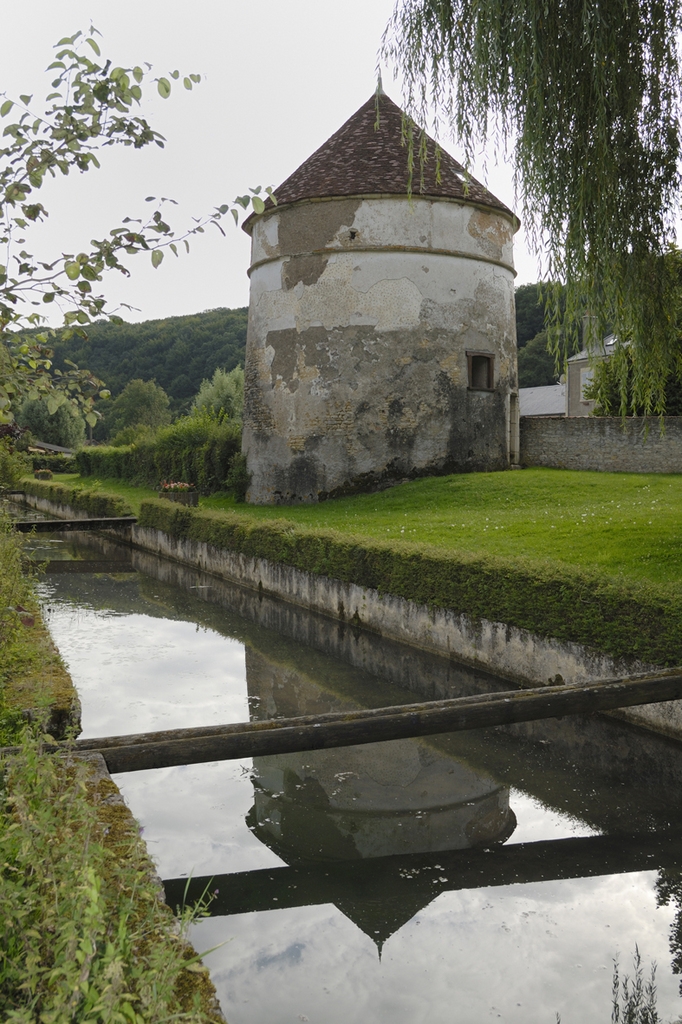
[
  {"x": 96, "y": 503},
  {"x": 629, "y": 620},
  {"x": 197, "y": 450},
  {"x": 56, "y": 463}
]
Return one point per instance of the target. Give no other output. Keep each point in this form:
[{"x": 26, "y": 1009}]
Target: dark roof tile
[{"x": 364, "y": 158}]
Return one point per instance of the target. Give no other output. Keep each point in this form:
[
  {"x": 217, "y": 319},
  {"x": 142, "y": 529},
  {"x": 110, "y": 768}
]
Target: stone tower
[{"x": 381, "y": 341}]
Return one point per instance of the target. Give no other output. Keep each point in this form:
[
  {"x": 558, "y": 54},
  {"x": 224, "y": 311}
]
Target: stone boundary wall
[
  {"x": 496, "y": 647},
  {"x": 603, "y": 443}
]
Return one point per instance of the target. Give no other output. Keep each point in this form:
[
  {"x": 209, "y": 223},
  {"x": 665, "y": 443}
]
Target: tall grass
[{"x": 85, "y": 934}]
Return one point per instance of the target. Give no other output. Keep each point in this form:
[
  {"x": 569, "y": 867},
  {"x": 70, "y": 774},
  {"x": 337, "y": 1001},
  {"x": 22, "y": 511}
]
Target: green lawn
[
  {"x": 133, "y": 495},
  {"x": 621, "y": 524}
]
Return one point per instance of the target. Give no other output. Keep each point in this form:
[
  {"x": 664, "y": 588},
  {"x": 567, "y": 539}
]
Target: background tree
[
  {"x": 140, "y": 404},
  {"x": 89, "y": 108},
  {"x": 65, "y": 427},
  {"x": 530, "y": 313},
  {"x": 223, "y": 395},
  {"x": 537, "y": 366},
  {"x": 587, "y": 95}
]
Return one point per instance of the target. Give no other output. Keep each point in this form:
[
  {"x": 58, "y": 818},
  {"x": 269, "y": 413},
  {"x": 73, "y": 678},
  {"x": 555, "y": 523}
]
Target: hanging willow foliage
[{"x": 586, "y": 93}]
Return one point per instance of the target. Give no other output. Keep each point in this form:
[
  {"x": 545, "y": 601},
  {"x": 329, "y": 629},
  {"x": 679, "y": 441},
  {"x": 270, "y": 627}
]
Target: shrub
[
  {"x": 197, "y": 448},
  {"x": 238, "y": 478},
  {"x": 56, "y": 463},
  {"x": 96, "y": 503}
]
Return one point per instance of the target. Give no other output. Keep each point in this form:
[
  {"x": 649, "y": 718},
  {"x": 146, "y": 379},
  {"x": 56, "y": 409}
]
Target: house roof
[
  {"x": 368, "y": 155},
  {"x": 545, "y": 401},
  {"x": 607, "y": 347}
]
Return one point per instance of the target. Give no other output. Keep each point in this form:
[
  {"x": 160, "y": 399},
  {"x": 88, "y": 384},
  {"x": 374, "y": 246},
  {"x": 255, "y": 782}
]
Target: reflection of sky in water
[
  {"x": 514, "y": 953},
  {"x": 136, "y": 673}
]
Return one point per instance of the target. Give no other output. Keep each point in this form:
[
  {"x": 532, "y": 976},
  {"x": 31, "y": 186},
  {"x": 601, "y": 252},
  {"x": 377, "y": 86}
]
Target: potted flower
[{"x": 177, "y": 490}]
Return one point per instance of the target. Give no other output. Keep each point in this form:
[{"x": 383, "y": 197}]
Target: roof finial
[{"x": 380, "y": 88}]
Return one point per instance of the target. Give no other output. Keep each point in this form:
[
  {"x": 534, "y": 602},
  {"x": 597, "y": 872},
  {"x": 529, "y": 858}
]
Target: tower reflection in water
[{"x": 362, "y": 802}]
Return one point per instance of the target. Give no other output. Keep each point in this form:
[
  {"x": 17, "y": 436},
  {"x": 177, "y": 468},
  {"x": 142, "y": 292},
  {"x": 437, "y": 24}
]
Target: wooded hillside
[{"x": 178, "y": 352}]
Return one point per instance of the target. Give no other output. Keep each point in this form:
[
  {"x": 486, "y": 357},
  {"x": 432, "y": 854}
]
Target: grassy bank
[
  {"x": 618, "y": 524},
  {"x": 85, "y": 933},
  {"x": 33, "y": 678}
]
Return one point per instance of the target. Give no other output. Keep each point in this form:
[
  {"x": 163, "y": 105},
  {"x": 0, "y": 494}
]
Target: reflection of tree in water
[
  {"x": 633, "y": 999},
  {"x": 669, "y": 890}
]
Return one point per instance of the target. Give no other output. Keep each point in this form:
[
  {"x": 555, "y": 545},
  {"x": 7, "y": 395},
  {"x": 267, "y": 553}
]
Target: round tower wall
[{"x": 381, "y": 344}]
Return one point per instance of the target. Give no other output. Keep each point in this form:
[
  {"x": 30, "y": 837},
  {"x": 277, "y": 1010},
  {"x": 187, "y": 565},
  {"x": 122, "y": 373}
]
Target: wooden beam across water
[
  {"x": 341, "y": 729},
  {"x": 386, "y": 878},
  {"x": 68, "y": 525}
]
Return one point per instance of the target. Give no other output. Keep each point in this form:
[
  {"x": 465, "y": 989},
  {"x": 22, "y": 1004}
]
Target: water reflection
[
  {"x": 402, "y": 845},
  {"x": 365, "y": 801}
]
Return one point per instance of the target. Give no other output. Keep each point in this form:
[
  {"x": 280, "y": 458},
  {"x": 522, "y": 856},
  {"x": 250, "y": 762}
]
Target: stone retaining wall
[{"x": 604, "y": 443}]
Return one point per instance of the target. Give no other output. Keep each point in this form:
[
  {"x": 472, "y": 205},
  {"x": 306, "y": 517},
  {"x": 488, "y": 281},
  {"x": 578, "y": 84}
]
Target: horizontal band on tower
[{"x": 421, "y": 250}]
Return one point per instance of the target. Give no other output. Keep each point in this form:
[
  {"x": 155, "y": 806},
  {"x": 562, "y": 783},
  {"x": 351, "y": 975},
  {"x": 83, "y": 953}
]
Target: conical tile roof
[{"x": 363, "y": 158}]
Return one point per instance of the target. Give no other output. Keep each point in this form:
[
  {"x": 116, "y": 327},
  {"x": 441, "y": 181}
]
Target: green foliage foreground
[{"x": 85, "y": 934}]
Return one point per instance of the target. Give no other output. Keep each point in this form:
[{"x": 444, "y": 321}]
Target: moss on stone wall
[{"x": 621, "y": 619}]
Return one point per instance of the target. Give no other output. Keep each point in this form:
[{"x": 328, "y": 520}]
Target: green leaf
[
  {"x": 93, "y": 44},
  {"x": 175, "y": 75},
  {"x": 157, "y": 258},
  {"x": 258, "y": 204},
  {"x": 235, "y": 215},
  {"x": 26, "y": 100},
  {"x": 174, "y": 248},
  {"x": 195, "y": 78},
  {"x": 187, "y": 84},
  {"x": 6, "y": 107},
  {"x": 138, "y": 74},
  {"x": 52, "y": 405},
  {"x": 91, "y": 419},
  {"x": 164, "y": 88},
  {"x": 72, "y": 271}
]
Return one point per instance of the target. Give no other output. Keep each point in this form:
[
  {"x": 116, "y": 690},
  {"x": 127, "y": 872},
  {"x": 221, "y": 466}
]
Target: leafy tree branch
[{"x": 92, "y": 105}]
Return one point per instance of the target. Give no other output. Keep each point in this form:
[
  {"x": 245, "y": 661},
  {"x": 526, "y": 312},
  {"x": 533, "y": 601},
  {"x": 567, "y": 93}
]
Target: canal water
[{"x": 491, "y": 875}]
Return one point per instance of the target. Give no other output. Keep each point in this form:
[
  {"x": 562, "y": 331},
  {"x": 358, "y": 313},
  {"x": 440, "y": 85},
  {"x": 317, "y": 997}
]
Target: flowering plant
[{"x": 176, "y": 485}]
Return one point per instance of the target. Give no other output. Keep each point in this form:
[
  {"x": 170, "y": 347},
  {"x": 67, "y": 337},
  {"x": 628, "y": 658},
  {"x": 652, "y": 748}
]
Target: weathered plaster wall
[
  {"x": 604, "y": 443},
  {"x": 361, "y": 315},
  {"x": 495, "y": 647}
]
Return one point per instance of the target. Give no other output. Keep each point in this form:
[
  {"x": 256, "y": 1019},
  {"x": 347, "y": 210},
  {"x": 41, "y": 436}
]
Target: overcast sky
[{"x": 278, "y": 78}]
